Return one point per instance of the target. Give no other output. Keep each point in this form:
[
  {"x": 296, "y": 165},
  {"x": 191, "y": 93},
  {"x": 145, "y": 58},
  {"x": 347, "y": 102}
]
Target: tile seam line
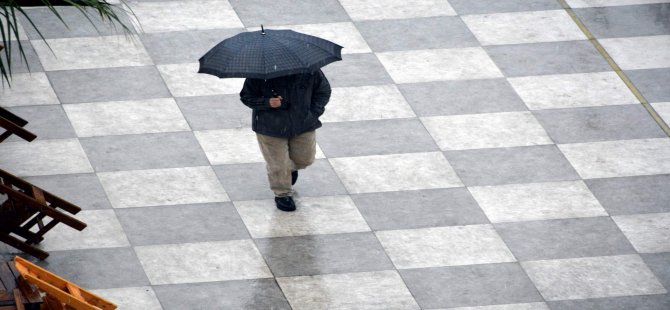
[{"x": 601, "y": 50}]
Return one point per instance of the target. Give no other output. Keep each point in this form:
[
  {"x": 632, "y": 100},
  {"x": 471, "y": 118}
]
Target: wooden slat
[
  {"x": 51, "y": 212},
  {"x": 17, "y": 130},
  {"x": 12, "y": 117},
  {"x": 18, "y": 299},
  {"x": 7, "y": 277},
  {"x": 30, "y": 291},
  {"x": 18, "y": 244}
]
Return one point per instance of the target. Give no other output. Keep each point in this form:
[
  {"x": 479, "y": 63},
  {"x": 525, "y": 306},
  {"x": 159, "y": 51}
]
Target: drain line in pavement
[{"x": 616, "y": 68}]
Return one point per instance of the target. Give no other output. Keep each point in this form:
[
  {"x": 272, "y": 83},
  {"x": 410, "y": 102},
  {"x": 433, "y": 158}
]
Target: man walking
[{"x": 285, "y": 116}]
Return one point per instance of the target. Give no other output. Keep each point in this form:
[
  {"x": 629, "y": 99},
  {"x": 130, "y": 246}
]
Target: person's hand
[{"x": 276, "y": 102}]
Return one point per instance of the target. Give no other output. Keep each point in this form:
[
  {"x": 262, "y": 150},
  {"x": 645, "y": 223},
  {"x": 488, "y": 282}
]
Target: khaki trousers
[{"x": 284, "y": 155}]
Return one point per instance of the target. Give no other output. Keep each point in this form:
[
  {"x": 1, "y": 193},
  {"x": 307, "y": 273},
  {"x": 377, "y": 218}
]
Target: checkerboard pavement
[{"x": 474, "y": 155}]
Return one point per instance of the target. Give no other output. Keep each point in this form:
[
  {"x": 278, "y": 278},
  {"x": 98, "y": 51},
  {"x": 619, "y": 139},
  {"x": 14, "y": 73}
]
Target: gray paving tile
[
  {"x": 593, "y": 277},
  {"x": 464, "y": 7},
  {"x": 597, "y": 236},
  {"x": 651, "y": 83},
  {"x": 621, "y": 122},
  {"x": 45, "y": 121},
  {"x": 83, "y": 190},
  {"x": 396, "y": 9},
  {"x": 511, "y": 165},
  {"x": 253, "y": 13},
  {"x": 121, "y": 268},
  {"x": 658, "y": 263},
  {"x": 239, "y": 294},
  {"x": 94, "y": 85},
  {"x": 606, "y": 3},
  {"x": 475, "y": 285},
  {"x": 77, "y": 23},
  {"x": 183, "y": 46},
  {"x": 182, "y": 224},
  {"x": 416, "y": 33},
  {"x": 103, "y": 231},
  {"x": 547, "y": 58},
  {"x": 649, "y": 302},
  {"x": 244, "y": 181},
  {"x": 627, "y": 21},
  {"x": 250, "y": 181},
  {"x": 215, "y": 112},
  {"x": 341, "y": 139},
  {"x": 419, "y": 209},
  {"x": 145, "y": 151},
  {"x": 462, "y": 97},
  {"x": 323, "y": 254},
  {"x": 19, "y": 64},
  {"x": 357, "y": 70},
  {"x": 632, "y": 195}
]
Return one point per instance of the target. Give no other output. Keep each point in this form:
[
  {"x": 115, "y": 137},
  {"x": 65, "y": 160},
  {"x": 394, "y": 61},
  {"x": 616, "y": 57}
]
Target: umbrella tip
[{"x": 262, "y": 29}]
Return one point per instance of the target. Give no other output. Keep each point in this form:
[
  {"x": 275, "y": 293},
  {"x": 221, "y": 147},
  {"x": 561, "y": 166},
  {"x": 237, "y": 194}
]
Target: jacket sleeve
[
  {"x": 252, "y": 95},
  {"x": 320, "y": 94}
]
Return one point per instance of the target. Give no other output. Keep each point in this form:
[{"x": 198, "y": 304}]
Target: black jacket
[{"x": 304, "y": 99}]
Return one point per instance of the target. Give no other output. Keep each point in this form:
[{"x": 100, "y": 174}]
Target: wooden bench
[
  {"x": 30, "y": 212},
  {"x": 13, "y": 125},
  {"x": 15, "y": 292},
  {"x": 60, "y": 293}
]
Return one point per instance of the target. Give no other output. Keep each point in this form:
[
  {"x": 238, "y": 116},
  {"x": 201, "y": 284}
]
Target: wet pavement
[{"x": 474, "y": 155}]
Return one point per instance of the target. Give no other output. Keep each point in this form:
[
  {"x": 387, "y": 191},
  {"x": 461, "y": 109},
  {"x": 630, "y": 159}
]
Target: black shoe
[
  {"x": 285, "y": 203},
  {"x": 294, "y": 177}
]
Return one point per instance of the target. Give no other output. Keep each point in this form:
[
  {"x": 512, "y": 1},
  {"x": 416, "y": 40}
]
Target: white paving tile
[
  {"x": 572, "y": 90},
  {"x": 439, "y": 64},
  {"x": 649, "y": 233},
  {"x": 396, "y": 9},
  {"x": 103, "y": 231},
  {"x": 126, "y": 117},
  {"x": 384, "y": 173},
  {"x": 593, "y": 277},
  {"x": 365, "y": 290},
  {"x": 315, "y": 215},
  {"x": 131, "y": 298},
  {"x": 486, "y": 130},
  {"x": 183, "y": 80},
  {"x": 185, "y": 15},
  {"x": 366, "y": 103},
  {"x": 537, "y": 201},
  {"x": 345, "y": 34},
  {"x": 155, "y": 187},
  {"x": 444, "y": 246},
  {"x": 639, "y": 52},
  {"x": 663, "y": 109},
  {"x": 91, "y": 52},
  {"x": 230, "y": 146},
  {"x": 28, "y": 89},
  {"x": 44, "y": 157},
  {"x": 619, "y": 158},
  {"x": 202, "y": 262},
  {"x": 601, "y": 3},
  {"x": 523, "y": 27}
]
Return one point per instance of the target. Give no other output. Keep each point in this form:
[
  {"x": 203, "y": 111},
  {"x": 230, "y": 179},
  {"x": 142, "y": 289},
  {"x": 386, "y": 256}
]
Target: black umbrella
[{"x": 268, "y": 54}]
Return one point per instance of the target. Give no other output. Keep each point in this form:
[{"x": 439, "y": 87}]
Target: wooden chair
[
  {"x": 60, "y": 293},
  {"x": 30, "y": 212},
  {"x": 13, "y": 125},
  {"x": 15, "y": 292}
]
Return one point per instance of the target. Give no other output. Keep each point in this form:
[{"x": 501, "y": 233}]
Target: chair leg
[{"x": 18, "y": 244}]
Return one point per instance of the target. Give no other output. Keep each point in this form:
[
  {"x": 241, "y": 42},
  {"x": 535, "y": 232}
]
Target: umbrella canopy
[{"x": 268, "y": 54}]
